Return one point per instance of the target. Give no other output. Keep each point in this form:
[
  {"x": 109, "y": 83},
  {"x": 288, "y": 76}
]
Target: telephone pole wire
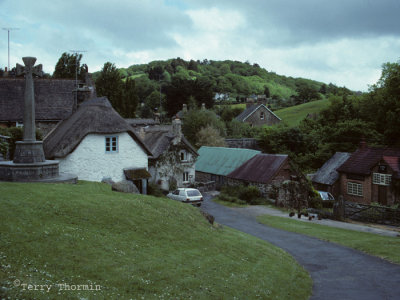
[{"x": 8, "y": 32}]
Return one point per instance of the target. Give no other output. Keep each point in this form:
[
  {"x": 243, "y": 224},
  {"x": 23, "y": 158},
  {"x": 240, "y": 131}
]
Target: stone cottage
[
  {"x": 258, "y": 114},
  {"x": 174, "y": 158}
]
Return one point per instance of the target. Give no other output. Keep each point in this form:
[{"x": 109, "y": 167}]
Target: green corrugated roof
[{"x": 222, "y": 161}]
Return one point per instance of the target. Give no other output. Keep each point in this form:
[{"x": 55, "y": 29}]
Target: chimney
[
  {"x": 203, "y": 106},
  {"x": 177, "y": 130},
  {"x": 249, "y": 102},
  {"x": 184, "y": 108},
  {"x": 142, "y": 133}
]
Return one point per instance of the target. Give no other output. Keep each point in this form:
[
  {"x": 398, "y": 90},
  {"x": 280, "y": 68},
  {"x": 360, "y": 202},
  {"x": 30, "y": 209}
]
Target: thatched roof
[
  {"x": 93, "y": 116},
  {"x": 135, "y": 174}
]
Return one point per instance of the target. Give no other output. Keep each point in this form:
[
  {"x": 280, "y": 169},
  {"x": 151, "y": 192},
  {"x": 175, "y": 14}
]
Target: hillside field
[
  {"x": 293, "y": 115},
  {"x": 130, "y": 246}
]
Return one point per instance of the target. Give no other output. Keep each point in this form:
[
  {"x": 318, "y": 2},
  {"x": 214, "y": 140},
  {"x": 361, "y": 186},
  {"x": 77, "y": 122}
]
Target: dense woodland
[{"x": 350, "y": 117}]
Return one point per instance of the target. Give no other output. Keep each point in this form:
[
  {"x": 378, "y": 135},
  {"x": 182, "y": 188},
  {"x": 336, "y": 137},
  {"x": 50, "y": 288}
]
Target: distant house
[
  {"x": 262, "y": 171},
  {"x": 327, "y": 177},
  {"x": 215, "y": 163},
  {"x": 173, "y": 158},
  {"x": 258, "y": 115},
  {"x": 95, "y": 143},
  {"x": 55, "y": 100},
  {"x": 369, "y": 175}
]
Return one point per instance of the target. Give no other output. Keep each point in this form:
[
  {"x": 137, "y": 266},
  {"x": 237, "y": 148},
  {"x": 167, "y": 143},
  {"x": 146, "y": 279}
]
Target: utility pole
[
  {"x": 8, "y": 31},
  {"x": 76, "y": 52}
]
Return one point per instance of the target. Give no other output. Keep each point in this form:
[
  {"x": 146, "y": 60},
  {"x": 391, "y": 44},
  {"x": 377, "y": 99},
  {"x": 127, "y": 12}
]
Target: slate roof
[
  {"x": 221, "y": 160},
  {"x": 93, "y": 116},
  {"x": 159, "y": 138},
  {"x": 262, "y": 168},
  {"x": 365, "y": 158},
  {"x": 54, "y": 99},
  {"x": 327, "y": 174},
  {"x": 251, "y": 109}
]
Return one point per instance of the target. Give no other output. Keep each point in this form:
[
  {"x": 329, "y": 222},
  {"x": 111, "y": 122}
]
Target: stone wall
[{"x": 372, "y": 214}]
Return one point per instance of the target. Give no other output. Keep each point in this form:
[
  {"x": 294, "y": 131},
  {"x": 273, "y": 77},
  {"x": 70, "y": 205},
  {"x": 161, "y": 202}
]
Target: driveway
[{"x": 338, "y": 272}]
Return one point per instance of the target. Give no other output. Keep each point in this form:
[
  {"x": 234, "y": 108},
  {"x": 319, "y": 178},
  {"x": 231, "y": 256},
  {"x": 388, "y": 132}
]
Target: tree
[
  {"x": 209, "y": 136},
  {"x": 110, "y": 84},
  {"x": 266, "y": 92},
  {"x": 195, "y": 119},
  {"x": 68, "y": 65},
  {"x": 130, "y": 99}
]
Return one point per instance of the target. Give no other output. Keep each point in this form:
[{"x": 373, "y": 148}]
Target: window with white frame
[
  {"x": 183, "y": 155},
  {"x": 381, "y": 179},
  {"x": 111, "y": 144},
  {"x": 185, "y": 176},
  {"x": 354, "y": 188}
]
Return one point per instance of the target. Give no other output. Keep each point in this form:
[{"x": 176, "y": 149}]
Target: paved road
[{"x": 337, "y": 272}]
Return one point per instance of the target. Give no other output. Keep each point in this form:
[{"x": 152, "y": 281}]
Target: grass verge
[
  {"x": 382, "y": 246},
  {"x": 131, "y": 246}
]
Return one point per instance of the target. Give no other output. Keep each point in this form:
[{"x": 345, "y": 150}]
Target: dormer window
[{"x": 183, "y": 155}]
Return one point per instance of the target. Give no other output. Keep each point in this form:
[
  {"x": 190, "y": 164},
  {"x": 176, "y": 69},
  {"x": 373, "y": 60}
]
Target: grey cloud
[{"x": 292, "y": 22}]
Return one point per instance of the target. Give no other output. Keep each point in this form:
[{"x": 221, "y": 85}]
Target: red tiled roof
[
  {"x": 261, "y": 168},
  {"x": 365, "y": 158}
]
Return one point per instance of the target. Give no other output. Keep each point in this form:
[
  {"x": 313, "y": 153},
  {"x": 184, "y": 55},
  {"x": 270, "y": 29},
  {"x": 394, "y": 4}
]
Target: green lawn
[
  {"x": 131, "y": 246},
  {"x": 382, "y": 246},
  {"x": 295, "y": 114}
]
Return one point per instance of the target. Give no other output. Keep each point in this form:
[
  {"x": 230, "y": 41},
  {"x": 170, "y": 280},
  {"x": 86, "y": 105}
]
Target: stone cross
[{"x": 29, "y": 97}]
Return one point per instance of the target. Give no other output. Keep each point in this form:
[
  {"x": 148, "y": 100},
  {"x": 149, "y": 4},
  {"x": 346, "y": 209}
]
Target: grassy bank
[
  {"x": 131, "y": 246},
  {"x": 382, "y": 246},
  {"x": 295, "y": 114}
]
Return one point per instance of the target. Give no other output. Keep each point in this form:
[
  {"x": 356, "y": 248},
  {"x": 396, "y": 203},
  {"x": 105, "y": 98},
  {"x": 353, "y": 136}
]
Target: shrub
[
  {"x": 250, "y": 194},
  {"x": 154, "y": 190}
]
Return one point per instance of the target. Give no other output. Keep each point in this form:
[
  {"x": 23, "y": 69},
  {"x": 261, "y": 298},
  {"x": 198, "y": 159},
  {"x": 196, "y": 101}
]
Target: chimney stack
[
  {"x": 203, "y": 106},
  {"x": 363, "y": 144},
  {"x": 177, "y": 130},
  {"x": 184, "y": 108}
]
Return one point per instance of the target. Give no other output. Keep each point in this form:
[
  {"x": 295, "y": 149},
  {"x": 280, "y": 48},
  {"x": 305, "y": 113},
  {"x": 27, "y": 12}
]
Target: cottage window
[
  {"x": 262, "y": 115},
  {"x": 354, "y": 188},
  {"x": 381, "y": 179},
  {"x": 185, "y": 176},
  {"x": 183, "y": 155},
  {"x": 111, "y": 144}
]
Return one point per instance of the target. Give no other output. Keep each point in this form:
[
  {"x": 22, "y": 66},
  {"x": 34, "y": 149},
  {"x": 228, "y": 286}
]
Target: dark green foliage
[
  {"x": 197, "y": 119},
  {"x": 241, "y": 194},
  {"x": 16, "y": 134},
  {"x": 122, "y": 95},
  {"x": 68, "y": 65},
  {"x": 181, "y": 90}
]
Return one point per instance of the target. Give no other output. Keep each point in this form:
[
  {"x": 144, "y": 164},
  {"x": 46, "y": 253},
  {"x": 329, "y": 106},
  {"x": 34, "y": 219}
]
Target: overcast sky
[{"x": 340, "y": 41}]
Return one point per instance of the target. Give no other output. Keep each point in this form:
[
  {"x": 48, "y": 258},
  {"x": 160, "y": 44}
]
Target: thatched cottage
[{"x": 96, "y": 143}]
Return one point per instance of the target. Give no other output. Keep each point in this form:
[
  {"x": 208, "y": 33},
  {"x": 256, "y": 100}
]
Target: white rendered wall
[{"x": 91, "y": 162}]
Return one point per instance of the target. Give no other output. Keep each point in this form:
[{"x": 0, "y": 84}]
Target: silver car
[{"x": 187, "y": 195}]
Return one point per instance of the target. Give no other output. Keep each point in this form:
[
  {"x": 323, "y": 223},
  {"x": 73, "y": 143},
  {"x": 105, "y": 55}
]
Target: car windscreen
[{"x": 193, "y": 193}]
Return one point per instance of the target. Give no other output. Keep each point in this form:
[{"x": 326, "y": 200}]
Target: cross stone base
[
  {"x": 29, "y": 152},
  {"x": 46, "y": 171}
]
